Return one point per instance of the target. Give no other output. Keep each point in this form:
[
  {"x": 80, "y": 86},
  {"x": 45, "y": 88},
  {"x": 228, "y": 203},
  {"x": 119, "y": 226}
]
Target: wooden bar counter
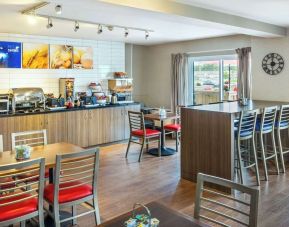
[{"x": 207, "y": 141}]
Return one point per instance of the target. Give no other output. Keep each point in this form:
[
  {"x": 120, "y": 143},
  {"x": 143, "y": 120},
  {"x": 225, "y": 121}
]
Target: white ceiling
[
  {"x": 167, "y": 27},
  {"x": 269, "y": 11}
]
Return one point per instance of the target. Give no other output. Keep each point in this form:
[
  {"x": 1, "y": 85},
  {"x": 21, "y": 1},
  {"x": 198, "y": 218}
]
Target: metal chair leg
[
  {"x": 177, "y": 142},
  {"x": 128, "y": 146},
  {"x": 263, "y": 157},
  {"x": 240, "y": 162},
  {"x": 256, "y": 162},
  {"x": 23, "y": 223},
  {"x": 96, "y": 211},
  {"x": 56, "y": 216},
  {"x": 141, "y": 150},
  {"x": 159, "y": 145},
  {"x": 74, "y": 213},
  {"x": 147, "y": 145},
  {"x": 275, "y": 152},
  {"x": 280, "y": 150}
]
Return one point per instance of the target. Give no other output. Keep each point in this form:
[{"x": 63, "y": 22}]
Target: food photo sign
[
  {"x": 82, "y": 57},
  {"x": 35, "y": 56},
  {"x": 61, "y": 56}
]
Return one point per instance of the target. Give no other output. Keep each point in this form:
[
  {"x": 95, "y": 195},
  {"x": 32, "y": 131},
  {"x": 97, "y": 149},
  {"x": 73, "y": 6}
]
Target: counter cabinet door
[
  {"x": 4, "y": 133},
  {"x": 56, "y": 126},
  {"x": 24, "y": 123},
  {"x": 77, "y": 127}
]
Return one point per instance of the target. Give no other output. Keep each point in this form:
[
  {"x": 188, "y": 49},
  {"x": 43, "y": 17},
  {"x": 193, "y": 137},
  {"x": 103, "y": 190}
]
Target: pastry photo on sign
[
  {"x": 60, "y": 57},
  {"x": 82, "y": 57}
]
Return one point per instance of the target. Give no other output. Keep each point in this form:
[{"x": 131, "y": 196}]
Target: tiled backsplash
[{"x": 108, "y": 58}]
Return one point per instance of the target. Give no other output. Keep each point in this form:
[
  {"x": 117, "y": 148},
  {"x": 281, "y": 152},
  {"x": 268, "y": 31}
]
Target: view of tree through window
[{"x": 209, "y": 74}]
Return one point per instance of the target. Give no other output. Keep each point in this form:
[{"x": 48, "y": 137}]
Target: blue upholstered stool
[
  {"x": 265, "y": 126},
  {"x": 282, "y": 124},
  {"x": 245, "y": 131}
]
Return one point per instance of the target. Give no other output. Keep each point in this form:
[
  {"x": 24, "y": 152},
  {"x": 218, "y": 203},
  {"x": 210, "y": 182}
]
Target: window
[{"x": 214, "y": 78}]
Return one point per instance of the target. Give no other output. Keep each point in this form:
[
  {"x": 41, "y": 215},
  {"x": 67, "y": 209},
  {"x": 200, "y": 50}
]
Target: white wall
[
  {"x": 108, "y": 58},
  {"x": 266, "y": 87}
]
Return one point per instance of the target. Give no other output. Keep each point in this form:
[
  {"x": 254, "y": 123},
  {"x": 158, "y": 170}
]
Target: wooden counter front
[
  {"x": 207, "y": 140},
  {"x": 86, "y": 127}
]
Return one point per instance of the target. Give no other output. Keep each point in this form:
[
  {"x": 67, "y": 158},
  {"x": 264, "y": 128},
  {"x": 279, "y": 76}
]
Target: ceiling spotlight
[
  {"x": 99, "y": 31},
  {"x": 147, "y": 35},
  {"x": 126, "y": 33},
  {"x": 58, "y": 9},
  {"x": 49, "y": 23},
  {"x": 110, "y": 28},
  {"x": 76, "y": 26}
]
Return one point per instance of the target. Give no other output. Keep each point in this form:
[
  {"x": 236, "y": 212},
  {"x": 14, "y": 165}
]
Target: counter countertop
[
  {"x": 236, "y": 107},
  {"x": 47, "y": 111}
]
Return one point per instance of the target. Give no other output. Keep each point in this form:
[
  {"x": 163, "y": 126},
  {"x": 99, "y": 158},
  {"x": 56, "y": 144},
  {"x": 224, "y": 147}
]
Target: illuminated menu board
[{"x": 10, "y": 55}]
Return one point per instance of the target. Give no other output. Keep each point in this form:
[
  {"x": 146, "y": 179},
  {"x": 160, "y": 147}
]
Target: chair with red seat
[
  {"x": 22, "y": 205},
  {"x": 138, "y": 130},
  {"x": 32, "y": 139},
  {"x": 175, "y": 127},
  {"x": 75, "y": 183}
]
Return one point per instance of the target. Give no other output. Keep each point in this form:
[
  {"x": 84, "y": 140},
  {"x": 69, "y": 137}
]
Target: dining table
[
  {"x": 165, "y": 151},
  {"x": 166, "y": 216},
  {"x": 48, "y": 152}
]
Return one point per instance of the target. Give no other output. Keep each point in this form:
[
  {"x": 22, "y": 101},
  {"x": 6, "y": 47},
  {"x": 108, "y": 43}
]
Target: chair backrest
[
  {"x": 178, "y": 113},
  {"x": 34, "y": 172},
  {"x": 222, "y": 209},
  {"x": 136, "y": 121},
  {"x": 268, "y": 118},
  {"x": 1, "y": 144},
  {"x": 247, "y": 124},
  {"x": 30, "y": 138},
  {"x": 283, "y": 118},
  {"x": 76, "y": 169}
]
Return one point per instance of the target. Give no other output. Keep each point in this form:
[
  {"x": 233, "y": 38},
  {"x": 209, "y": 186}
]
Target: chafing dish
[{"x": 27, "y": 98}]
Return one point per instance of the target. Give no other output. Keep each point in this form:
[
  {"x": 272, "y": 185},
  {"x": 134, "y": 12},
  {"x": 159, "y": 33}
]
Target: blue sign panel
[{"x": 10, "y": 55}]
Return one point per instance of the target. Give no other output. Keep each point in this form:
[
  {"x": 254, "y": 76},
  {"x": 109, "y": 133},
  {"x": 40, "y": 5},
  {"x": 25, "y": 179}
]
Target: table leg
[{"x": 165, "y": 151}]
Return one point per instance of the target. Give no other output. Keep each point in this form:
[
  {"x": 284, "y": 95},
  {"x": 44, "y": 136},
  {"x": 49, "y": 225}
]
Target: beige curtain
[
  {"x": 180, "y": 80},
  {"x": 244, "y": 73}
]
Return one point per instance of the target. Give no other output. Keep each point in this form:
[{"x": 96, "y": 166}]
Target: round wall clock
[{"x": 273, "y": 64}]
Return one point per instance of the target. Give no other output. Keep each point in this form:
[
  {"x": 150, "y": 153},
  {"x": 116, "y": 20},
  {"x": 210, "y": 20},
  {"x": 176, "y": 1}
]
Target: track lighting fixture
[
  {"x": 58, "y": 9},
  {"x": 76, "y": 26},
  {"x": 99, "y": 29},
  {"x": 110, "y": 28},
  {"x": 49, "y": 23},
  {"x": 147, "y": 35},
  {"x": 126, "y": 32},
  {"x": 33, "y": 13}
]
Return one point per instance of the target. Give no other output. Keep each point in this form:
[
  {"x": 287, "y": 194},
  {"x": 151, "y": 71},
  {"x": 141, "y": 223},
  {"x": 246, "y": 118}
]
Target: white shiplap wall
[{"x": 109, "y": 57}]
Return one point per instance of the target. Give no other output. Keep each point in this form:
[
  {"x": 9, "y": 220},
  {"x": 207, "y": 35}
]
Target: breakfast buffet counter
[{"x": 80, "y": 126}]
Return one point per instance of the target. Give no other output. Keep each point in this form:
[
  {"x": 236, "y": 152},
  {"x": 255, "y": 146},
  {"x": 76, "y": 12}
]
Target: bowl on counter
[{"x": 101, "y": 101}]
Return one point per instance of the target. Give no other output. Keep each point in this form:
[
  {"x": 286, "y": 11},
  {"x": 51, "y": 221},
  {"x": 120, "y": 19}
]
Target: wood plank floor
[{"x": 123, "y": 182}]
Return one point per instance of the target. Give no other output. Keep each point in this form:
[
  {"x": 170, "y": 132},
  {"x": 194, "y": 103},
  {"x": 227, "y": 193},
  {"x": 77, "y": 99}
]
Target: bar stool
[
  {"x": 265, "y": 126},
  {"x": 282, "y": 124},
  {"x": 245, "y": 131}
]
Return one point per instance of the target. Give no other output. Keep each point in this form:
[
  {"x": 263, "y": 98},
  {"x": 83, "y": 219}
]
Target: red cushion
[
  {"x": 173, "y": 127},
  {"x": 69, "y": 194},
  {"x": 26, "y": 175},
  {"x": 8, "y": 183},
  {"x": 18, "y": 209},
  {"x": 149, "y": 132}
]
